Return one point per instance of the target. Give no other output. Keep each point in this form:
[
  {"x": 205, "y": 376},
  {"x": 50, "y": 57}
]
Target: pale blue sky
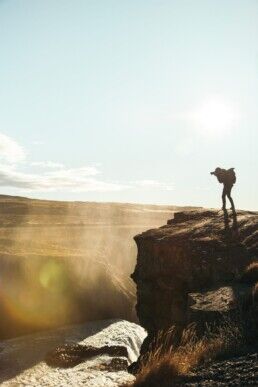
[{"x": 129, "y": 100}]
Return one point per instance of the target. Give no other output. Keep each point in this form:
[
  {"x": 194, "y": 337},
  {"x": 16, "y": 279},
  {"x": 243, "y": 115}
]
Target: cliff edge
[{"x": 190, "y": 269}]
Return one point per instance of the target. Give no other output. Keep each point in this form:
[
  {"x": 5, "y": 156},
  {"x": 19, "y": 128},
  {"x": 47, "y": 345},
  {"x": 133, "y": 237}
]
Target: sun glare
[{"x": 215, "y": 116}]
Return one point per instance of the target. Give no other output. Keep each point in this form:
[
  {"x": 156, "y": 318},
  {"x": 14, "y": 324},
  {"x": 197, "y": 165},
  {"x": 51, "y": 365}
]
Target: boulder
[{"x": 216, "y": 306}]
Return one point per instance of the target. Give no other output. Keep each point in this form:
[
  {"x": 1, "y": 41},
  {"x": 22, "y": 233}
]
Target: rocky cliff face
[{"x": 188, "y": 269}]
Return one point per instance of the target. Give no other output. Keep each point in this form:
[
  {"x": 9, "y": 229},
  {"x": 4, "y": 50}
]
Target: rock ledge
[{"x": 196, "y": 252}]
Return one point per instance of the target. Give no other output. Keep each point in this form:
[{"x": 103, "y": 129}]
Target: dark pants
[{"x": 227, "y": 192}]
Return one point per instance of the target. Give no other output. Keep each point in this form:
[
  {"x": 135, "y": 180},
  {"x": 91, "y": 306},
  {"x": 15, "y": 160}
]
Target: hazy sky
[{"x": 129, "y": 100}]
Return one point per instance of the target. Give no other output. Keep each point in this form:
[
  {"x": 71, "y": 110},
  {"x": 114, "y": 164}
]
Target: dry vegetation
[
  {"x": 255, "y": 294},
  {"x": 250, "y": 274},
  {"x": 63, "y": 262},
  {"x": 168, "y": 361},
  {"x": 165, "y": 364}
]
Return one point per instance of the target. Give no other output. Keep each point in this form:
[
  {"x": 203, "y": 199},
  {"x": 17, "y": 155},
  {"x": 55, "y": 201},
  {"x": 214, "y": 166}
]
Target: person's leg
[
  {"x": 228, "y": 193},
  {"x": 224, "y": 192}
]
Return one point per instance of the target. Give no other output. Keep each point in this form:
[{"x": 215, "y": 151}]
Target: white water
[{"x": 24, "y": 365}]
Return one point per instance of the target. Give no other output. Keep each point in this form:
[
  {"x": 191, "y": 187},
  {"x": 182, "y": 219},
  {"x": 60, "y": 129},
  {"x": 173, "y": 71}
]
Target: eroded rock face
[{"x": 197, "y": 251}]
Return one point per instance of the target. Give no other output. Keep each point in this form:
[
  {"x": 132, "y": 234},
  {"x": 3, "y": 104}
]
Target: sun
[{"x": 215, "y": 116}]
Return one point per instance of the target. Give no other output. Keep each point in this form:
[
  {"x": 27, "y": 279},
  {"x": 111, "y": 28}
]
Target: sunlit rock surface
[{"x": 23, "y": 359}]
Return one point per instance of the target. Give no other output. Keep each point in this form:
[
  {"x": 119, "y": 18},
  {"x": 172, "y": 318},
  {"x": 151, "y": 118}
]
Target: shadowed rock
[
  {"x": 69, "y": 355},
  {"x": 187, "y": 270},
  {"x": 215, "y": 305}
]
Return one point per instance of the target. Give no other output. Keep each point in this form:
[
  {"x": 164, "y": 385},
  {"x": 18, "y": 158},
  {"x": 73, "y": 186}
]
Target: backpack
[{"x": 231, "y": 175}]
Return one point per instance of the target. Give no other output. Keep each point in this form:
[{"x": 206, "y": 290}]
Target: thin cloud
[
  {"x": 74, "y": 173},
  {"x": 75, "y": 179},
  {"x": 46, "y": 164},
  {"x": 38, "y": 142},
  {"x": 10, "y": 150},
  {"x": 82, "y": 179},
  {"x": 153, "y": 184},
  {"x": 54, "y": 176}
]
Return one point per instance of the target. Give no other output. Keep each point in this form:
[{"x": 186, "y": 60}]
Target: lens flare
[
  {"x": 53, "y": 276},
  {"x": 40, "y": 300}
]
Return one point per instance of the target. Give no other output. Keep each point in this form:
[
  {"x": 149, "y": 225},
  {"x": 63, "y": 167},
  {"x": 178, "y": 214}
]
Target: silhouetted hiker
[{"x": 228, "y": 178}]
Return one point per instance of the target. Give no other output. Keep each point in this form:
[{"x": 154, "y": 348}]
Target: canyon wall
[{"x": 190, "y": 269}]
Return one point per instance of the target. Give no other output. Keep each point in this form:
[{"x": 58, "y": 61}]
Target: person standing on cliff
[{"x": 228, "y": 178}]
